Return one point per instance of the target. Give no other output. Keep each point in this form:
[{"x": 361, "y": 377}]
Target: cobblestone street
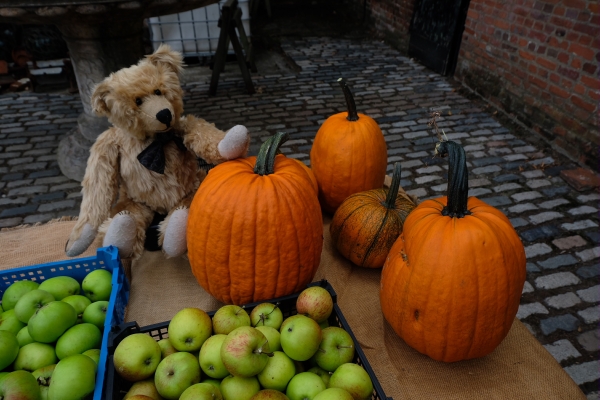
[{"x": 508, "y": 169}]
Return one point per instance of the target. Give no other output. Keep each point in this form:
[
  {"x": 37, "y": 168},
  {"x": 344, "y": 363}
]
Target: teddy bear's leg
[
  {"x": 127, "y": 229},
  {"x": 172, "y": 230}
]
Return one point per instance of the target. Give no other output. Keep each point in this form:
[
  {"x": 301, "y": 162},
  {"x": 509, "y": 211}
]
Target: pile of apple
[
  {"x": 50, "y": 336},
  {"x": 241, "y": 356}
]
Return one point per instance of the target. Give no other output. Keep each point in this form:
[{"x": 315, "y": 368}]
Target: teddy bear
[{"x": 149, "y": 161}]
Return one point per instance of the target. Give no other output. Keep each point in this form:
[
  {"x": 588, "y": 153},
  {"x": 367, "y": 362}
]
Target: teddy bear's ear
[
  {"x": 168, "y": 58},
  {"x": 98, "y": 100}
]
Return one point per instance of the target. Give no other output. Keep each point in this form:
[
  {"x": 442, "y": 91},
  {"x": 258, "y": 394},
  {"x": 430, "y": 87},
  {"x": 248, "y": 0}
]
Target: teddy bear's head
[{"x": 145, "y": 98}]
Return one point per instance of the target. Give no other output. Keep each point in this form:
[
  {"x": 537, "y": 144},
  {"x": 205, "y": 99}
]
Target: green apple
[
  {"x": 239, "y": 388},
  {"x": 97, "y": 285},
  {"x": 2, "y": 376},
  {"x": 337, "y": 348},
  {"x": 175, "y": 373},
  {"x": 79, "y": 303},
  {"x": 245, "y": 351},
  {"x": 304, "y": 385},
  {"x": 10, "y": 322},
  {"x": 61, "y": 286},
  {"x": 266, "y": 314},
  {"x": 143, "y": 388},
  {"x": 94, "y": 354},
  {"x": 95, "y": 313},
  {"x": 272, "y": 335},
  {"x": 136, "y": 357},
  {"x": 9, "y": 348},
  {"x": 354, "y": 379},
  {"x": 315, "y": 302},
  {"x": 140, "y": 397},
  {"x": 229, "y": 317},
  {"x": 201, "y": 391},
  {"x": 78, "y": 339},
  {"x": 325, "y": 375},
  {"x": 73, "y": 378},
  {"x": 333, "y": 394},
  {"x": 269, "y": 394},
  {"x": 48, "y": 323},
  {"x": 215, "y": 382},
  {"x": 43, "y": 377},
  {"x": 1, "y": 309},
  {"x": 300, "y": 337},
  {"x": 30, "y": 302},
  {"x": 23, "y": 337},
  {"x": 210, "y": 357},
  {"x": 278, "y": 372},
  {"x": 34, "y": 356},
  {"x": 13, "y": 293},
  {"x": 20, "y": 385},
  {"x": 166, "y": 348},
  {"x": 189, "y": 328}
]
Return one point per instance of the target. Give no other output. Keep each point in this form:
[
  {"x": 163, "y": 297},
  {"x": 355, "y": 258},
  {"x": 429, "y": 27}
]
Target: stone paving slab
[{"x": 558, "y": 225}]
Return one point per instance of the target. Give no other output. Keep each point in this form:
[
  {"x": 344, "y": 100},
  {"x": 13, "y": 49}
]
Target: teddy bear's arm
[{"x": 211, "y": 143}]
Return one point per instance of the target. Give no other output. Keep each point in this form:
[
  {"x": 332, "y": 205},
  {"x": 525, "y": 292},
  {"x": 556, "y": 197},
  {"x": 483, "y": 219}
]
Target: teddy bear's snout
[{"x": 165, "y": 117}]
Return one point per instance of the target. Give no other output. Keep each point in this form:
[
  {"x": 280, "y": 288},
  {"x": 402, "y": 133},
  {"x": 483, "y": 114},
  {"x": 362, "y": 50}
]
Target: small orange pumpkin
[
  {"x": 255, "y": 228},
  {"x": 452, "y": 283},
  {"x": 366, "y": 224},
  {"x": 348, "y": 155}
]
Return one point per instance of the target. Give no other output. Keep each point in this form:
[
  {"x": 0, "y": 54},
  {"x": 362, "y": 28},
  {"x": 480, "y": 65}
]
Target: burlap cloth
[{"x": 520, "y": 368}]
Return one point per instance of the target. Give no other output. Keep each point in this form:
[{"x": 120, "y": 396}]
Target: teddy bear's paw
[
  {"x": 175, "y": 241},
  {"x": 235, "y": 143},
  {"x": 121, "y": 233},
  {"x": 79, "y": 245}
]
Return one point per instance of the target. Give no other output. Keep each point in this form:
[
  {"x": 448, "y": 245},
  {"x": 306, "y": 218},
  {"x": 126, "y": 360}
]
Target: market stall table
[{"x": 520, "y": 368}]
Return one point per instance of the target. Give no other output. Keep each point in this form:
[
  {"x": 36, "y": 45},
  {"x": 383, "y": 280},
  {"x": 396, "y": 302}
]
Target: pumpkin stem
[
  {"x": 265, "y": 161},
  {"x": 352, "y": 114},
  {"x": 390, "y": 200},
  {"x": 458, "y": 178}
]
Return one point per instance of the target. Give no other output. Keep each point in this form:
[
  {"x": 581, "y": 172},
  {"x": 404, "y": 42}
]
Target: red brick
[
  {"x": 549, "y": 65},
  {"x": 590, "y": 82},
  {"x": 586, "y": 105},
  {"x": 588, "y": 29},
  {"x": 538, "y": 82},
  {"x": 562, "y": 22},
  {"x": 563, "y": 58},
  {"x": 566, "y": 83},
  {"x": 579, "y": 89},
  {"x": 532, "y": 68},
  {"x": 594, "y": 95},
  {"x": 554, "y": 78},
  {"x": 502, "y": 24},
  {"x": 580, "y": 50},
  {"x": 593, "y": 7},
  {"x": 559, "y": 11},
  {"x": 576, "y": 63},
  {"x": 578, "y": 4},
  {"x": 559, "y": 92},
  {"x": 572, "y": 36},
  {"x": 585, "y": 40},
  {"x": 526, "y": 55}
]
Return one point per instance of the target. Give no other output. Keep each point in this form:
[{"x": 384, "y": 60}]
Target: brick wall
[
  {"x": 538, "y": 60},
  {"x": 391, "y": 20}
]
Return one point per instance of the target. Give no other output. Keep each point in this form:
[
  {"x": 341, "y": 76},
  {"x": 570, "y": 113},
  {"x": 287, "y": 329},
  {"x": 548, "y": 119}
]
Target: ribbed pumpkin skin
[
  {"x": 451, "y": 286},
  {"x": 347, "y": 157},
  {"x": 363, "y": 229},
  {"x": 252, "y": 237}
]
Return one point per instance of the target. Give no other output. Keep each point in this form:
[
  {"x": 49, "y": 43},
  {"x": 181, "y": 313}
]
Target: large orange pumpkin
[
  {"x": 366, "y": 224},
  {"x": 452, "y": 283},
  {"x": 348, "y": 155},
  {"x": 255, "y": 228}
]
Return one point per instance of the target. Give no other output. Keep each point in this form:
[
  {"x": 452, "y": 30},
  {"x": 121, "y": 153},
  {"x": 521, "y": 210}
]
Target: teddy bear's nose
[{"x": 165, "y": 117}]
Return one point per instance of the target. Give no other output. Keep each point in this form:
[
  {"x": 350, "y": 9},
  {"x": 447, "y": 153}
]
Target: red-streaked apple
[
  {"x": 354, "y": 379},
  {"x": 136, "y": 357},
  {"x": 61, "y": 286},
  {"x": 34, "y": 356},
  {"x": 97, "y": 285},
  {"x": 201, "y": 391},
  {"x": 269, "y": 394},
  {"x": 272, "y": 335},
  {"x": 19, "y": 385},
  {"x": 300, "y": 337},
  {"x": 30, "y": 302},
  {"x": 229, "y": 317},
  {"x": 13, "y": 293},
  {"x": 278, "y": 372},
  {"x": 77, "y": 339},
  {"x": 337, "y": 348},
  {"x": 239, "y": 388},
  {"x": 9, "y": 348},
  {"x": 210, "y": 357},
  {"x": 48, "y": 323},
  {"x": 143, "y": 388},
  {"x": 245, "y": 351},
  {"x": 315, "y": 302},
  {"x": 266, "y": 314},
  {"x": 43, "y": 376},
  {"x": 189, "y": 328},
  {"x": 175, "y": 373},
  {"x": 304, "y": 385},
  {"x": 333, "y": 394},
  {"x": 95, "y": 313},
  {"x": 74, "y": 378}
]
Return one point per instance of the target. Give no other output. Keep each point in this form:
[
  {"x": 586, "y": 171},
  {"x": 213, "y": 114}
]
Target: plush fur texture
[{"x": 140, "y": 102}]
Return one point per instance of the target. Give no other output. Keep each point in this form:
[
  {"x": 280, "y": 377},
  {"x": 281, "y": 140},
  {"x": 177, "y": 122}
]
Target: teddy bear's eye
[
  {"x": 157, "y": 92},
  {"x": 138, "y": 101}
]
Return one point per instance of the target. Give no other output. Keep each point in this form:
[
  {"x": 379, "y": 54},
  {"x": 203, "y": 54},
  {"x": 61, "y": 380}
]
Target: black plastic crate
[{"x": 117, "y": 387}]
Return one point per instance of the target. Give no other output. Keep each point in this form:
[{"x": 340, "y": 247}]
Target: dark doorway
[{"x": 436, "y": 31}]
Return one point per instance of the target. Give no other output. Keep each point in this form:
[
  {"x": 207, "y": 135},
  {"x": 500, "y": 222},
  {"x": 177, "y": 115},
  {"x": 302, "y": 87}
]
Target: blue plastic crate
[{"x": 106, "y": 258}]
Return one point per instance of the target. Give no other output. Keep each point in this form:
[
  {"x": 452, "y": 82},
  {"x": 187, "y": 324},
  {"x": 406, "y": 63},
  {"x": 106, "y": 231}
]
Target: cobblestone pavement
[{"x": 558, "y": 225}]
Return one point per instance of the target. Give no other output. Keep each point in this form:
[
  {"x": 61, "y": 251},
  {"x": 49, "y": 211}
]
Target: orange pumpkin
[
  {"x": 366, "y": 224},
  {"x": 348, "y": 155},
  {"x": 452, "y": 283},
  {"x": 255, "y": 228}
]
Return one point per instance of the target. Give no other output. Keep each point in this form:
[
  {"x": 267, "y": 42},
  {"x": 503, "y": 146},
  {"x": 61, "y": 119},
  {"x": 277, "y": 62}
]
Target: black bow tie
[{"x": 153, "y": 156}]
